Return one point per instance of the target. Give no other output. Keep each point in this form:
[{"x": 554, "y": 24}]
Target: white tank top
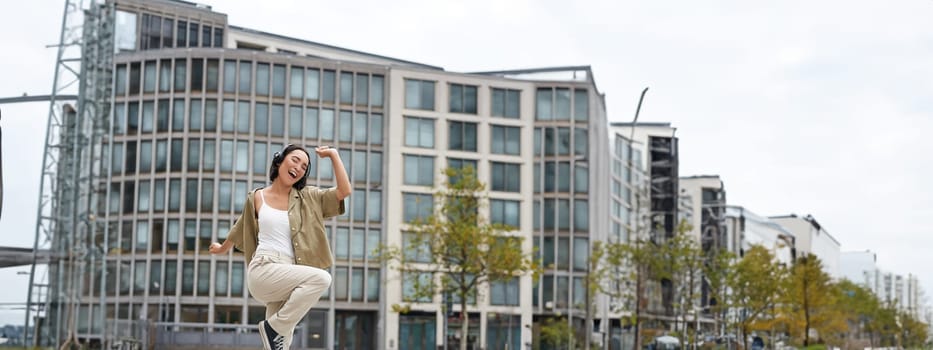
[{"x": 274, "y": 232}]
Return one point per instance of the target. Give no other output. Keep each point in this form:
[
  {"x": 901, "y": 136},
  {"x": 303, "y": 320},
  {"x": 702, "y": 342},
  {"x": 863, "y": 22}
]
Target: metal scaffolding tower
[{"x": 71, "y": 165}]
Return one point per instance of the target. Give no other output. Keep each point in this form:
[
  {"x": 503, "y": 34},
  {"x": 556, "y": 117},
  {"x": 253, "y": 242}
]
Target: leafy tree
[
  {"x": 859, "y": 306},
  {"x": 716, "y": 271},
  {"x": 809, "y": 302},
  {"x": 555, "y": 333},
  {"x": 755, "y": 283},
  {"x": 455, "y": 250},
  {"x": 913, "y": 332},
  {"x": 684, "y": 261}
]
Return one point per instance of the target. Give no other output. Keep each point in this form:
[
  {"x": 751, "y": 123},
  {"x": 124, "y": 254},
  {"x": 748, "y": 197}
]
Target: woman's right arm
[
  {"x": 236, "y": 233},
  {"x": 217, "y": 248}
]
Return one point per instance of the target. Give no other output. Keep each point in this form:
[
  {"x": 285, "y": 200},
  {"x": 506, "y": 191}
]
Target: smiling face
[{"x": 293, "y": 168}]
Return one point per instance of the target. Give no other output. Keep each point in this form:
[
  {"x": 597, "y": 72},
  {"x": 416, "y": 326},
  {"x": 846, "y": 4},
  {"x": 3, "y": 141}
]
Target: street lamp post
[{"x": 638, "y": 278}]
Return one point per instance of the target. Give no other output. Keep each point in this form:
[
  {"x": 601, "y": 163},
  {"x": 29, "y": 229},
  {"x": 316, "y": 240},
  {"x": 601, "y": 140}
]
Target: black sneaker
[{"x": 271, "y": 340}]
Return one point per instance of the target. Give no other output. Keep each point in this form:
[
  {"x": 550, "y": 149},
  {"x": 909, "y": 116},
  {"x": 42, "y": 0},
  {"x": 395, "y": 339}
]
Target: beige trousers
[{"x": 288, "y": 290}]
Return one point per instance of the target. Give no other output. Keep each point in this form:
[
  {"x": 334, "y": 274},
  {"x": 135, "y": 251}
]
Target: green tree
[
  {"x": 457, "y": 248},
  {"x": 859, "y": 306},
  {"x": 716, "y": 271},
  {"x": 809, "y": 301},
  {"x": 913, "y": 331},
  {"x": 555, "y": 333},
  {"x": 755, "y": 283},
  {"x": 684, "y": 262},
  {"x": 622, "y": 275}
]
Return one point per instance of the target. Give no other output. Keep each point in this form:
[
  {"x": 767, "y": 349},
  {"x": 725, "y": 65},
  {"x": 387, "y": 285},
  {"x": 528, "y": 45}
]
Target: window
[
  {"x": 417, "y": 206},
  {"x": 581, "y": 179},
  {"x": 358, "y": 243},
  {"x": 563, "y": 176},
  {"x": 375, "y": 167},
  {"x": 294, "y": 122},
  {"x": 359, "y": 205},
  {"x": 562, "y": 104},
  {"x": 362, "y": 89},
  {"x": 327, "y": 124},
  {"x": 197, "y": 74},
  {"x": 506, "y": 103},
  {"x": 149, "y": 80},
  {"x": 181, "y": 39},
  {"x": 360, "y": 132},
  {"x": 581, "y": 105},
  {"x": 581, "y": 252},
  {"x": 504, "y": 212},
  {"x": 262, "y": 79},
  {"x": 419, "y": 94},
  {"x": 375, "y": 129},
  {"x": 278, "y": 120},
  {"x": 563, "y": 141},
  {"x": 194, "y": 154},
  {"x": 147, "y": 117},
  {"x": 506, "y": 140},
  {"x": 580, "y": 142},
  {"x": 415, "y": 285},
  {"x": 278, "y": 81},
  {"x": 581, "y": 218},
  {"x": 504, "y": 292},
  {"x": 346, "y": 126},
  {"x": 246, "y": 74},
  {"x": 181, "y": 75},
  {"x": 259, "y": 158},
  {"x": 462, "y": 136},
  {"x": 374, "y": 206},
  {"x": 359, "y": 163},
  {"x": 329, "y": 82},
  {"x": 242, "y": 117},
  {"x": 417, "y": 249},
  {"x": 563, "y": 253},
  {"x": 460, "y": 164},
  {"x": 419, "y": 132},
  {"x": 506, "y": 177},
  {"x": 311, "y": 123},
  {"x": 120, "y": 80},
  {"x": 213, "y": 71},
  {"x": 165, "y": 75},
  {"x": 543, "y": 102},
  {"x": 297, "y": 82},
  {"x": 419, "y": 170},
  {"x": 312, "y": 84},
  {"x": 229, "y": 76},
  {"x": 417, "y": 332},
  {"x": 342, "y": 243},
  {"x": 178, "y": 115},
  {"x": 372, "y": 285},
  {"x": 346, "y": 87},
  {"x": 377, "y": 91},
  {"x": 462, "y": 99}
]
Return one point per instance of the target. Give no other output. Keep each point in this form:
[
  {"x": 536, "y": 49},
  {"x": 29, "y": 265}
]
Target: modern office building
[
  {"x": 650, "y": 199},
  {"x": 745, "y": 228},
  {"x": 811, "y": 238},
  {"x": 200, "y": 105}
]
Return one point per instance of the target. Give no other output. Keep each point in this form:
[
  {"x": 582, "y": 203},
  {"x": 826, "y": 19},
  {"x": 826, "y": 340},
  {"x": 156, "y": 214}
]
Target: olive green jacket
[{"x": 307, "y": 210}]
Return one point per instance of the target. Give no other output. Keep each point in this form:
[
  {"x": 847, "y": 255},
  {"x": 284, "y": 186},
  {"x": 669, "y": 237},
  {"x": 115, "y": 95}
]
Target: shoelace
[{"x": 279, "y": 342}]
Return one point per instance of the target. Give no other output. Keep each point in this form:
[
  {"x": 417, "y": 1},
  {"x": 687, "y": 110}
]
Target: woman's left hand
[{"x": 325, "y": 151}]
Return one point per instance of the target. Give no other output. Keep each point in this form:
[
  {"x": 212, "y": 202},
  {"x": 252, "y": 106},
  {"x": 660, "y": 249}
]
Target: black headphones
[{"x": 279, "y": 157}]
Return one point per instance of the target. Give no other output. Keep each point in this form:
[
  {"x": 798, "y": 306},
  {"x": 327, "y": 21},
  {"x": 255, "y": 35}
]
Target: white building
[
  {"x": 812, "y": 238},
  {"x": 703, "y": 199},
  {"x": 745, "y": 228},
  {"x": 861, "y": 268}
]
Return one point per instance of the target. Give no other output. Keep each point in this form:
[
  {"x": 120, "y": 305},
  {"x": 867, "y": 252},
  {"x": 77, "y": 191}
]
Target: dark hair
[{"x": 279, "y": 157}]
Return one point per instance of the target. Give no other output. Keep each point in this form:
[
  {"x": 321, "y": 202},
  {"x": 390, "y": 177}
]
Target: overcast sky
[{"x": 806, "y": 107}]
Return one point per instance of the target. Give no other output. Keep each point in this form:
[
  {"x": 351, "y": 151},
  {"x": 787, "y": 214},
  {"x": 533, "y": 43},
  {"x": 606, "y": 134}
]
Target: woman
[{"x": 281, "y": 234}]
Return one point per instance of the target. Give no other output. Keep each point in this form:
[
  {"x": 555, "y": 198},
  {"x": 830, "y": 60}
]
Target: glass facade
[
  {"x": 191, "y": 133},
  {"x": 193, "y": 130}
]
